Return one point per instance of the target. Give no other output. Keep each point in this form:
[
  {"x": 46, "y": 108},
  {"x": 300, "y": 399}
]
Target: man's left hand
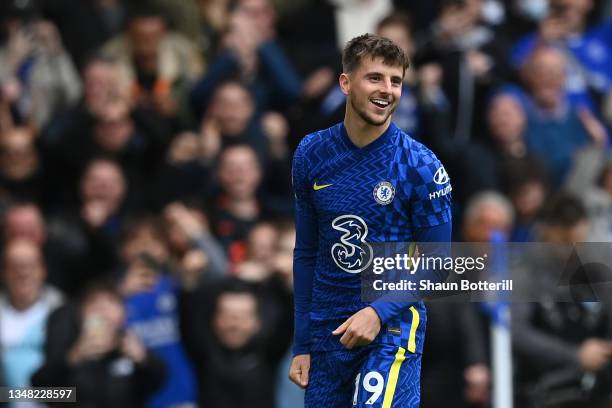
[{"x": 360, "y": 329}]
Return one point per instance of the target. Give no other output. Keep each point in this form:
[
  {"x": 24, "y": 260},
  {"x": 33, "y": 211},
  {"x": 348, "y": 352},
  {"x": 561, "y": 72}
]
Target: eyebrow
[{"x": 373, "y": 73}]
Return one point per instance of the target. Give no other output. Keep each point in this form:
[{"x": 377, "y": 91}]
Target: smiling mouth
[{"x": 380, "y": 103}]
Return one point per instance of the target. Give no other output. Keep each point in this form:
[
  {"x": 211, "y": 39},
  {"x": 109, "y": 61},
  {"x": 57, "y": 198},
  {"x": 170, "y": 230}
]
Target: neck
[
  {"x": 23, "y": 303},
  {"x": 359, "y": 131}
]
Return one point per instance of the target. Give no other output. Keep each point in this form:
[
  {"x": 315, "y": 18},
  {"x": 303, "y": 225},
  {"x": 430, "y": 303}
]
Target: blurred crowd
[{"x": 145, "y": 189}]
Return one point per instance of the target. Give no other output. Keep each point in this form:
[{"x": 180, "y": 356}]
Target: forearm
[
  {"x": 436, "y": 244},
  {"x": 217, "y": 260}
]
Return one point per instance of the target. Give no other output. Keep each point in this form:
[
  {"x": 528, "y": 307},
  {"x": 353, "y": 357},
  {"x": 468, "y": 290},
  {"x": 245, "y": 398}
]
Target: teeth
[{"x": 381, "y": 102}]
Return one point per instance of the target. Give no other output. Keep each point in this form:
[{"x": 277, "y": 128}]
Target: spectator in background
[
  {"x": 507, "y": 121},
  {"x": 251, "y": 54},
  {"x": 230, "y": 119},
  {"x": 105, "y": 123},
  {"x": 90, "y": 351},
  {"x": 37, "y": 76},
  {"x": 484, "y": 166},
  {"x": 588, "y": 48},
  {"x": 236, "y": 345},
  {"x": 236, "y": 207},
  {"x": 151, "y": 305},
  {"x": 472, "y": 59},
  {"x": 103, "y": 81},
  {"x": 116, "y": 134},
  {"x": 454, "y": 358},
  {"x": 161, "y": 64},
  {"x": 21, "y": 174},
  {"x": 191, "y": 157},
  {"x": 25, "y": 304},
  {"x": 460, "y": 367},
  {"x": 558, "y": 344},
  {"x": 91, "y": 231},
  {"x": 527, "y": 188},
  {"x": 485, "y": 213},
  {"x": 103, "y": 189},
  {"x": 556, "y": 129},
  {"x": 511, "y": 163},
  {"x": 24, "y": 221},
  {"x": 591, "y": 180}
]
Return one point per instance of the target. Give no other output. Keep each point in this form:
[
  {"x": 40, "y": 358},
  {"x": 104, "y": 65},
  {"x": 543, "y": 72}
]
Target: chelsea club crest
[{"x": 384, "y": 192}]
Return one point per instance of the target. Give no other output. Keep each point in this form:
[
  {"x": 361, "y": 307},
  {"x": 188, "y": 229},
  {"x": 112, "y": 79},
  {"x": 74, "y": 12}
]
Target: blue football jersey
[
  {"x": 347, "y": 197},
  {"x": 153, "y": 317}
]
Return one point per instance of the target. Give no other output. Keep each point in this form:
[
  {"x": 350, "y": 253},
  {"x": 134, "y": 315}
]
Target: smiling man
[{"x": 359, "y": 182}]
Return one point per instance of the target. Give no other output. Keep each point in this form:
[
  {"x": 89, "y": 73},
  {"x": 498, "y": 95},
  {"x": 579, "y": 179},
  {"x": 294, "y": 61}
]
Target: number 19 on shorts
[{"x": 373, "y": 383}]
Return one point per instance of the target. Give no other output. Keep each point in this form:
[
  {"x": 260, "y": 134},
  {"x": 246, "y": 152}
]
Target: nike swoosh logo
[{"x": 317, "y": 187}]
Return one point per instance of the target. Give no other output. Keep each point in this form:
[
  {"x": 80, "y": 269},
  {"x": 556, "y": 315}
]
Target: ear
[{"x": 345, "y": 83}]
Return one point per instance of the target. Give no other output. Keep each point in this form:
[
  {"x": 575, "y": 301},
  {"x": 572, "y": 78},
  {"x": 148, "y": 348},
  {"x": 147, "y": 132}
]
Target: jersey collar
[{"x": 379, "y": 141}]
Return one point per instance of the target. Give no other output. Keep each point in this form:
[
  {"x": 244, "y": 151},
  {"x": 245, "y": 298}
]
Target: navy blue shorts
[{"x": 376, "y": 376}]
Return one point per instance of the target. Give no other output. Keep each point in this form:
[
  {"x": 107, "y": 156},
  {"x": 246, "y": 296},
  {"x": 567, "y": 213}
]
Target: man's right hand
[{"x": 300, "y": 368}]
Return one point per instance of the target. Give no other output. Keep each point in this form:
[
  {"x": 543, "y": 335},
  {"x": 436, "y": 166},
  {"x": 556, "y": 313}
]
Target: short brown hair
[{"x": 373, "y": 46}]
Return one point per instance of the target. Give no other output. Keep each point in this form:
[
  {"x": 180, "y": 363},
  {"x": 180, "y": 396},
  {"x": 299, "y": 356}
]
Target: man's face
[
  {"x": 546, "y": 77},
  {"x": 236, "y": 320},
  {"x": 145, "y": 35},
  {"x": 97, "y": 80},
  {"x": 18, "y": 156},
  {"x": 144, "y": 240},
  {"x": 488, "y": 218},
  {"x": 529, "y": 199},
  {"x": 506, "y": 119},
  {"x": 24, "y": 222},
  {"x": 114, "y": 128},
  {"x": 373, "y": 90},
  {"x": 103, "y": 182},
  {"x": 233, "y": 108},
  {"x": 239, "y": 172},
  {"x": 24, "y": 271},
  {"x": 263, "y": 243},
  {"x": 103, "y": 314}
]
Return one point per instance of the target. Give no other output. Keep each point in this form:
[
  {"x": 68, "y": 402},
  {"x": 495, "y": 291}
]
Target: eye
[{"x": 375, "y": 78}]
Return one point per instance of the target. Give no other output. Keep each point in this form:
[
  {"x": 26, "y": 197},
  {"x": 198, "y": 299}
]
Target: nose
[{"x": 386, "y": 86}]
